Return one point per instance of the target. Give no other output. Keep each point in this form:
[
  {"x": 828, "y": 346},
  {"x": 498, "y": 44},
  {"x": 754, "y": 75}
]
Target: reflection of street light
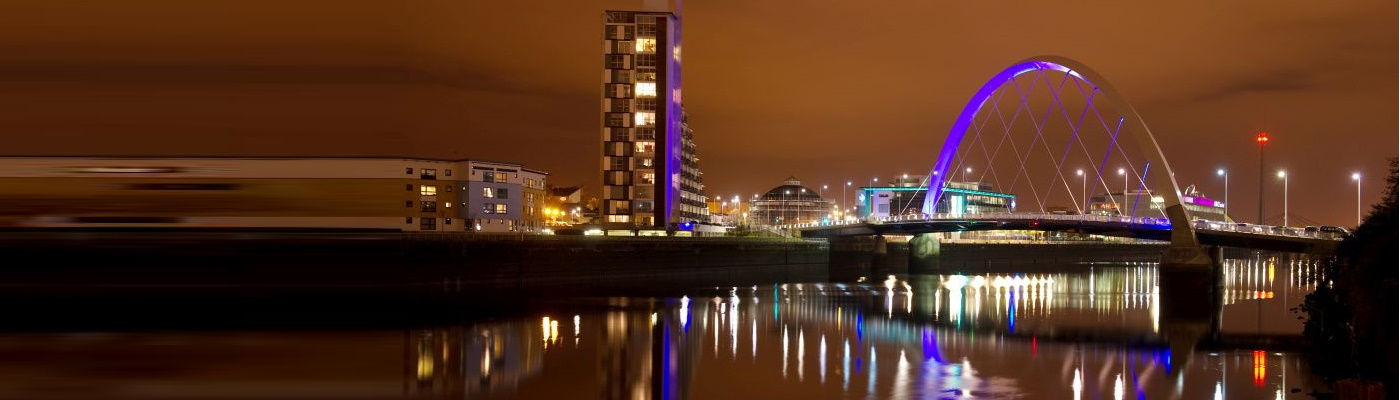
[
  {"x": 1356, "y": 176},
  {"x": 1284, "y": 175},
  {"x": 1225, "y": 211}
]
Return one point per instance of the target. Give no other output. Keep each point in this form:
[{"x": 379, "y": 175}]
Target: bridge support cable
[{"x": 987, "y": 136}]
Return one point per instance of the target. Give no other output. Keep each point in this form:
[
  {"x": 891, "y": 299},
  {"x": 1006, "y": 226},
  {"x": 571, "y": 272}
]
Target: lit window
[
  {"x": 646, "y": 45},
  {"x": 500, "y": 208},
  {"x": 645, "y": 119},
  {"x": 447, "y": 204},
  {"x": 488, "y": 192},
  {"x": 646, "y": 89},
  {"x": 646, "y": 147},
  {"x": 675, "y": 52},
  {"x": 427, "y": 190}
]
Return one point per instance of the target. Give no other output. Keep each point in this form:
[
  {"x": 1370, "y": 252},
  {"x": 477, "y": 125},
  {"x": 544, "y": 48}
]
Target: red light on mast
[{"x": 1263, "y": 138}]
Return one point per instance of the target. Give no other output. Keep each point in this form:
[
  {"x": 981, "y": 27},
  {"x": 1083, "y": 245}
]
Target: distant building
[
  {"x": 1135, "y": 202},
  {"x": 650, "y": 172},
  {"x": 790, "y": 203},
  {"x": 959, "y": 198},
  {"x": 391, "y": 193}
]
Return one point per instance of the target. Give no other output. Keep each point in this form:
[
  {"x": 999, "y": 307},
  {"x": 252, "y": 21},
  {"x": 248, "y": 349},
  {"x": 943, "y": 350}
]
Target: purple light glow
[
  {"x": 1202, "y": 201},
  {"x": 955, "y": 135}
]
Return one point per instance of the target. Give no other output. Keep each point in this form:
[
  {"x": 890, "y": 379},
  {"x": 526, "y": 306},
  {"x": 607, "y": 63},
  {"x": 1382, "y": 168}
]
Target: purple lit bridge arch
[
  {"x": 1123, "y": 139},
  {"x": 1186, "y": 248}
]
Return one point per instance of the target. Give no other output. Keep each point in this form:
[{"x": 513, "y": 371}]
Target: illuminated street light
[
  {"x": 1083, "y": 190},
  {"x": 1284, "y": 175},
  {"x": 1226, "y": 209},
  {"x": 1356, "y": 176}
]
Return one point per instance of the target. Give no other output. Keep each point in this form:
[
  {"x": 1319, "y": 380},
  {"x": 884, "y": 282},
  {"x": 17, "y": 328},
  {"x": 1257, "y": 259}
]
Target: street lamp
[
  {"x": 843, "y": 198},
  {"x": 965, "y": 172},
  {"x": 1262, "y": 139},
  {"x": 1356, "y": 176},
  {"x": 1225, "y": 211},
  {"x": 1125, "y": 190},
  {"x": 1284, "y": 175},
  {"x": 1083, "y": 190}
]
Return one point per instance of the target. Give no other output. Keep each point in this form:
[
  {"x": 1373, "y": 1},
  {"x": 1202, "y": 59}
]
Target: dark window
[
  {"x": 408, "y": 220},
  {"x": 622, "y": 76},
  {"x": 620, "y": 134},
  {"x": 501, "y": 193},
  {"x": 449, "y": 172},
  {"x": 408, "y": 187},
  {"x": 409, "y": 171},
  {"x": 618, "y": 120},
  {"x": 622, "y": 105},
  {"x": 408, "y": 204},
  {"x": 646, "y": 60},
  {"x": 488, "y": 177},
  {"x": 617, "y": 61},
  {"x": 448, "y": 187},
  {"x": 646, "y": 133},
  {"x": 429, "y": 173},
  {"x": 428, "y": 206},
  {"x": 447, "y": 221},
  {"x": 427, "y": 224}
]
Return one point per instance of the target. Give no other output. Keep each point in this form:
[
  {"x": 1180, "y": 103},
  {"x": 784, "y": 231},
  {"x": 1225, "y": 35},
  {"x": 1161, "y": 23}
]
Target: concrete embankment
[{"x": 213, "y": 260}]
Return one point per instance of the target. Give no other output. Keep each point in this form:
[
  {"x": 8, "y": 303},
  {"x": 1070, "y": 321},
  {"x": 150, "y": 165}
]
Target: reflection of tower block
[
  {"x": 626, "y": 356},
  {"x": 433, "y": 366},
  {"x": 489, "y": 359}
]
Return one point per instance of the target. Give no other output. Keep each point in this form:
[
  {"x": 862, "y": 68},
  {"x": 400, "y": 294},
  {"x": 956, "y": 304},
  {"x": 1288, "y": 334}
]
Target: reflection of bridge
[
  {"x": 1234, "y": 235},
  {"x": 1051, "y": 121}
]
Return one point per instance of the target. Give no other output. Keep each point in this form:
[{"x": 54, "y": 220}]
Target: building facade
[
  {"x": 650, "y": 174},
  {"x": 789, "y": 204},
  {"x": 383, "y": 193},
  {"x": 910, "y": 199}
]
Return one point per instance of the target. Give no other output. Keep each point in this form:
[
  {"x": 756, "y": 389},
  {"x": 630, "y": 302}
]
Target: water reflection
[{"x": 1093, "y": 334}]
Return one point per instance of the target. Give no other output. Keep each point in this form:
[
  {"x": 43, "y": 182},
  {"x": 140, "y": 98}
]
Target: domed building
[{"x": 790, "y": 203}]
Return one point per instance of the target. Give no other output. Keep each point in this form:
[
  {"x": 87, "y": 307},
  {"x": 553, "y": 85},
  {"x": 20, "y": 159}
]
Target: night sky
[{"x": 823, "y": 90}]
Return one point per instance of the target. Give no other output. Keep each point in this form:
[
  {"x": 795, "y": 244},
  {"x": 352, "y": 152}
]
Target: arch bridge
[{"x": 1060, "y": 137}]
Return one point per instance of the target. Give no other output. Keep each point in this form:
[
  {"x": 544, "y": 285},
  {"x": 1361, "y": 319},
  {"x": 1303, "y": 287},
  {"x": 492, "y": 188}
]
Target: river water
[{"x": 1095, "y": 332}]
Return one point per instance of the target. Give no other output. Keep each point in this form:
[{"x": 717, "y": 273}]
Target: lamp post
[
  {"x": 1356, "y": 176},
  {"x": 1262, "y": 140},
  {"x": 1284, "y": 175},
  {"x": 1083, "y": 191},
  {"x": 1225, "y": 211},
  {"x": 843, "y": 199},
  {"x": 965, "y": 172},
  {"x": 822, "y": 198},
  {"x": 1125, "y": 191}
]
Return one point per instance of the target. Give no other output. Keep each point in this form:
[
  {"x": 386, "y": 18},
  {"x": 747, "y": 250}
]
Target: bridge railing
[{"x": 1200, "y": 225}]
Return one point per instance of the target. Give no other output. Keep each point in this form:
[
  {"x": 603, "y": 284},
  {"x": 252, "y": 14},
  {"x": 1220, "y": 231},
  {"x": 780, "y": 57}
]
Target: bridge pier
[
  {"x": 925, "y": 253},
  {"x": 871, "y": 257},
  {"x": 1192, "y": 301}
]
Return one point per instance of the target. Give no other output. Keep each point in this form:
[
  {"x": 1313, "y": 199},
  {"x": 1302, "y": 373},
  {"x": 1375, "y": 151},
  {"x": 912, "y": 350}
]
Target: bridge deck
[{"x": 1209, "y": 233}]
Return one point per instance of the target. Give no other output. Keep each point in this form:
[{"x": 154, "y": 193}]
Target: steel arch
[{"x": 1183, "y": 235}]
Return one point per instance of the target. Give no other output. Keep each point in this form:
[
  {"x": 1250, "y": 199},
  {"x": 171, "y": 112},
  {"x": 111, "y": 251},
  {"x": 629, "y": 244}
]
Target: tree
[{"x": 1352, "y": 316}]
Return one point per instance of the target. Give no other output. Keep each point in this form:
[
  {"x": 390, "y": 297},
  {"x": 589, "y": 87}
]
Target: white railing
[{"x": 1200, "y": 225}]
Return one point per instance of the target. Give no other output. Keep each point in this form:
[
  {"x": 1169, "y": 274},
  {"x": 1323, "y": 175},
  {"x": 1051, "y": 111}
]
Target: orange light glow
[
  {"x": 1262, "y": 138},
  {"x": 1259, "y": 368}
]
